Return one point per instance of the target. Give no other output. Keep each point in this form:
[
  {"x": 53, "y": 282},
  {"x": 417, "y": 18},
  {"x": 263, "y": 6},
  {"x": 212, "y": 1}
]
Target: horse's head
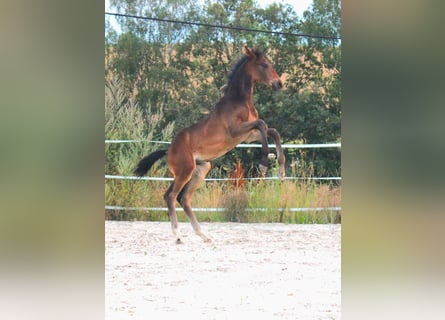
[{"x": 261, "y": 69}]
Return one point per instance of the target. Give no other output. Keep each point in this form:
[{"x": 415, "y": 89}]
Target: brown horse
[{"x": 233, "y": 120}]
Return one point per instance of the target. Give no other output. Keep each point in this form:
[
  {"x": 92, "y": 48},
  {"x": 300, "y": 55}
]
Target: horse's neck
[
  {"x": 240, "y": 93},
  {"x": 241, "y": 89}
]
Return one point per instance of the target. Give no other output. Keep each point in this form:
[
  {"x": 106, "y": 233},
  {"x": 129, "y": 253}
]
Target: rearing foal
[{"x": 233, "y": 120}]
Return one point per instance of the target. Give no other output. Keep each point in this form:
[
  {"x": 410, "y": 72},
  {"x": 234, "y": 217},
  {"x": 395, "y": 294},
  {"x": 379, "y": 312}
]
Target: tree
[{"x": 181, "y": 69}]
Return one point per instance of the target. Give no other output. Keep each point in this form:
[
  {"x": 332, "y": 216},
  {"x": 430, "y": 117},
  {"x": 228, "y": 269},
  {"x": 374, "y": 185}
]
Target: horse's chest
[
  {"x": 252, "y": 113},
  {"x": 252, "y": 117}
]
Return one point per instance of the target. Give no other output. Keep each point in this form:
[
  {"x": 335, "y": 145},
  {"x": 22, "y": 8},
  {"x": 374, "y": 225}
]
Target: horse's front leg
[
  {"x": 271, "y": 132},
  {"x": 244, "y": 129}
]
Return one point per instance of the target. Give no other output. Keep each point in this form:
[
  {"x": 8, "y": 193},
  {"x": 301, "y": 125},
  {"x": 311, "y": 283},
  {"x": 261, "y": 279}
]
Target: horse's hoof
[
  {"x": 179, "y": 241},
  {"x": 204, "y": 237}
]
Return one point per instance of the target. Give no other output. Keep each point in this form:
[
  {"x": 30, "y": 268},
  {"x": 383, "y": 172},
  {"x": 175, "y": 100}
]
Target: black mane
[{"x": 238, "y": 65}]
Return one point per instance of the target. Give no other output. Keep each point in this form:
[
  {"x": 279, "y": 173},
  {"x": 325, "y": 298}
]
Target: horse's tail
[{"x": 145, "y": 164}]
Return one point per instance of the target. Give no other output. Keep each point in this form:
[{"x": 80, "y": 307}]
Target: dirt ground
[{"x": 249, "y": 271}]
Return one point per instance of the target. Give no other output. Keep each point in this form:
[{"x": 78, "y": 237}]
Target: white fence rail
[
  {"x": 284, "y": 146},
  {"x": 246, "y": 145},
  {"x": 222, "y": 209},
  {"x": 108, "y": 176}
]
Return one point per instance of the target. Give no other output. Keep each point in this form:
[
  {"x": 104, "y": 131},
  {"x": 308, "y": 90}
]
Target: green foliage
[
  {"x": 324, "y": 18},
  {"x": 176, "y": 72},
  {"x": 125, "y": 120}
]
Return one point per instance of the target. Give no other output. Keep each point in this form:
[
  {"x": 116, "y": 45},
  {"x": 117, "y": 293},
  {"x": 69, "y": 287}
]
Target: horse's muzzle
[{"x": 277, "y": 85}]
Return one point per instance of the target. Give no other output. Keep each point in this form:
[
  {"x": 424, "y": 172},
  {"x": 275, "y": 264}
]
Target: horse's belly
[
  {"x": 210, "y": 149},
  {"x": 214, "y": 151}
]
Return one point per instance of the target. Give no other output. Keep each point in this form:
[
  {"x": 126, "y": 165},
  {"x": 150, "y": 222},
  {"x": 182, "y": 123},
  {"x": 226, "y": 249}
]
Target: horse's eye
[{"x": 264, "y": 65}]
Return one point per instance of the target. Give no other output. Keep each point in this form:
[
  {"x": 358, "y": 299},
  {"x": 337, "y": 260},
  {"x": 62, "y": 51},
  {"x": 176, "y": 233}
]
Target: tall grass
[
  {"x": 241, "y": 205},
  {"x": 125, "y": 120}
]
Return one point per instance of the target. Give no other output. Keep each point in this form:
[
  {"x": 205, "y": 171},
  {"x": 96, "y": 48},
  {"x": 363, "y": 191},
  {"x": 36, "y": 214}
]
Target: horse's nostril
[{"x": 277, "y": 85}]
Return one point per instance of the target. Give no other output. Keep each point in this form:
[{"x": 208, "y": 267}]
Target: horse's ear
[{"x": 249, "y": 53}]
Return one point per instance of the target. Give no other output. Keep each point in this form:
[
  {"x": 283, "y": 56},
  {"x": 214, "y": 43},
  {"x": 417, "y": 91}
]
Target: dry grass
[{"x": 274, "y": 198}]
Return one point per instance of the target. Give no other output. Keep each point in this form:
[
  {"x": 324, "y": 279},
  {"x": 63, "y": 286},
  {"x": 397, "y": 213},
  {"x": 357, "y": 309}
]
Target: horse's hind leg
[
  {"x": 172, "y": 214},
  {"x": 171, "y": 195},
  {"x": 185, "y": 196}
]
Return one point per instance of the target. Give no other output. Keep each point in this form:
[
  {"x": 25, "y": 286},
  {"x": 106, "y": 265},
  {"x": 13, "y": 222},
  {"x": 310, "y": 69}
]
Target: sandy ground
[{"x": 249, "y": 271}]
